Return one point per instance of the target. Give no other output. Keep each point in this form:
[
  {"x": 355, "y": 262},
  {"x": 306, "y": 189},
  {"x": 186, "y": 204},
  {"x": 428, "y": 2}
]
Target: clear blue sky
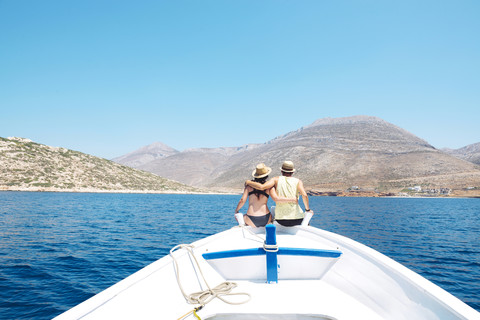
[{"x": 107, "y": 77}]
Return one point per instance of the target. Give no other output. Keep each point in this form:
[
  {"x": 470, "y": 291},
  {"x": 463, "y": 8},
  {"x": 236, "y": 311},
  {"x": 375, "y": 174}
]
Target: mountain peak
[
  {"x": 469, "y": 153},
  {"x": 18, "y": 139},
  {"x": 345, "y": 120},
  {"x": 145, "y": 154},
  {"x": 157, "y": 148}
]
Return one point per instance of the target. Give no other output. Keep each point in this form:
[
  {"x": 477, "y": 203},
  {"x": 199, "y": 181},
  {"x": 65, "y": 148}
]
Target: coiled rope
[{"x": 201, "y": 298}]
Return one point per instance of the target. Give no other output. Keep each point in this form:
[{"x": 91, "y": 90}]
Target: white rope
[
  {"x": 205, "y": 296},
  {"x": 270, "y": 247},
  {"x": 249, "y": 230}
]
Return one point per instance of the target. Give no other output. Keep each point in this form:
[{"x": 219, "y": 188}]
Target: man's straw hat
[
  {"x": 261, "y": 171},
  {"x": 288, "y": 167}
]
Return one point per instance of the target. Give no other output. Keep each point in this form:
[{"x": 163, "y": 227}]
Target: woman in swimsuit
[{"x": 258, "y": 214}]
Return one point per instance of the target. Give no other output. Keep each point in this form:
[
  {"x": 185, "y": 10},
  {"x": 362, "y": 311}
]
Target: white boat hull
[{"x": 357, "y": 283}]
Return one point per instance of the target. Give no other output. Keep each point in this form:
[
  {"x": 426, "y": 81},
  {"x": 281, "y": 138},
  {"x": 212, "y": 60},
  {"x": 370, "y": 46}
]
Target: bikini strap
[{"x": 258, "y": 192}]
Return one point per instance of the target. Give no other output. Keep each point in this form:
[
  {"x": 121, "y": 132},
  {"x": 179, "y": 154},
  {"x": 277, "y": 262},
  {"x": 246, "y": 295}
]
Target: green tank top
[{"x": 287, "y": 187}]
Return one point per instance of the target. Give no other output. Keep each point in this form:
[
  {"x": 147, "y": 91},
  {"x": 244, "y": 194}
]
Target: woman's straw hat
[
  {"x": 261, "y": 171},
  {"x": 288, "y": 167}
]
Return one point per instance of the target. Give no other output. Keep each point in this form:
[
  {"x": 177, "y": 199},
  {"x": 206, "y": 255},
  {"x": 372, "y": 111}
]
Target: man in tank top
[{"x": 286, "y": 213}]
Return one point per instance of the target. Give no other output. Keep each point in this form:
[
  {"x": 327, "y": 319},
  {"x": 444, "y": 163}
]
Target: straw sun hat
[
  {"x": 261, "y": 171},
  {"x": 288, "y": 167}
]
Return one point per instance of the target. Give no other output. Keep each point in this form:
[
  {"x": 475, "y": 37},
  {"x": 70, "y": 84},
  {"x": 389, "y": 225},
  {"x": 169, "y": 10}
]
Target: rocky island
[{"x": 29, "y": 166}]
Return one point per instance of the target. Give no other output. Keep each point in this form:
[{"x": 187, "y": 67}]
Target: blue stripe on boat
[
  {"x": 233, "y": 253},
  {"x": 281, "y": 251},
  {"x": 310, "y": 252},
  {"x": 272, "y": 255}
]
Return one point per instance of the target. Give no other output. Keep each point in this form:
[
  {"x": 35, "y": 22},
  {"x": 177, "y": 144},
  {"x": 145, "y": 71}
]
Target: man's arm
[
  {"x": 267, "y": 185},
  {"x": 304, "y": 195}
]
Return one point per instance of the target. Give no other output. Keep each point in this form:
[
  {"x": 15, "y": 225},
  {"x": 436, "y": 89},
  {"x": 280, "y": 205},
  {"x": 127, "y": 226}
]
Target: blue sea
[{"x": 59, "y": 249}]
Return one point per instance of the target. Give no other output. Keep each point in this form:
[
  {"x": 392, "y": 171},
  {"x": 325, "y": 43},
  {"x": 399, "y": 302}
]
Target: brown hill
[
  {"x": 469, "y": 153},
  {"x": 330, "y": 154},
  {"x": 194, "y": 166}
]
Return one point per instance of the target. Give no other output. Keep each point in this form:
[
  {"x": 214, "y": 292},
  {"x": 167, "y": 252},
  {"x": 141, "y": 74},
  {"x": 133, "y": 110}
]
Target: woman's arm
[
  {"x": 267, "y": 185},
  {"x": 275, "y": 197},
  {"x": 243, "y": 199}
]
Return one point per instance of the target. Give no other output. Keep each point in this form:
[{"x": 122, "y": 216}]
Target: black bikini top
[{"x": 258, "y": 193}]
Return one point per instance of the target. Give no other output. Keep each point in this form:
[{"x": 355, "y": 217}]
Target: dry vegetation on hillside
[{"x": 26, "y": 165}]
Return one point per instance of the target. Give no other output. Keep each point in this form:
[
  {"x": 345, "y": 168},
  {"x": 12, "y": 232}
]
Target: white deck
[{"x": 361, "y": 284}]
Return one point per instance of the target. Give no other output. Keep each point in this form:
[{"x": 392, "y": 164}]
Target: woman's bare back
[{"x": 257, "y": 203}]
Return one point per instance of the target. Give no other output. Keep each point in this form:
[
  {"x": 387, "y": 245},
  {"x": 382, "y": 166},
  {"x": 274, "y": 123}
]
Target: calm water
[{"x": 58, "y": 249}]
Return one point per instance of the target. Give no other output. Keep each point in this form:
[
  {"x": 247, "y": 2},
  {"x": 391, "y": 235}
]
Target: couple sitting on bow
[{"x": 284, "y": 190}]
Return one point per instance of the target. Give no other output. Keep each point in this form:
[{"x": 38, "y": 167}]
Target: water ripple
[{"x": 58, "y": 249}]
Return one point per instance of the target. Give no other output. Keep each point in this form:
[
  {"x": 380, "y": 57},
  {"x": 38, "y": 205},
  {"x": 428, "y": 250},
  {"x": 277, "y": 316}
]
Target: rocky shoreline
[
  {"x": 375, "y": 194},
  {"x": 93, "y": 190},
  {"x": 351, "y": 194},
  {"x": 348, "y": 193}
]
